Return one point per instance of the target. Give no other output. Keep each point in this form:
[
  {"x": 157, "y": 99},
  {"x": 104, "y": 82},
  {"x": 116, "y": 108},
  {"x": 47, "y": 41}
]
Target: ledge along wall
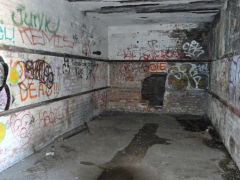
[
  {"x": 180, "y": 51},
  {"x": 224, "y": 96},
  {"x": 50, "y": 79}
]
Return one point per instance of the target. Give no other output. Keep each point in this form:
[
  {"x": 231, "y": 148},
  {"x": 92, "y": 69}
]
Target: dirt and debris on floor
[
  {"x": 201, "y": 124},
  {"x": 133, "y": 146}
]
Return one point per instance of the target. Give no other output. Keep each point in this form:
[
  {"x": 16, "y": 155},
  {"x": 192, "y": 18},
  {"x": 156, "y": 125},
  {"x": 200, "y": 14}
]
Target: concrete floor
[{"x": 129, "y": 146}]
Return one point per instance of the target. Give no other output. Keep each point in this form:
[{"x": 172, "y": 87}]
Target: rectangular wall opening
[{"x": 153, "y": 89}]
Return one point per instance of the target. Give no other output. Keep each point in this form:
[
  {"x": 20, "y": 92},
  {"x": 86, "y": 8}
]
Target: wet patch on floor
[
  {"x": 194, "y": 124},
  {"x": 227, "y": 165},
  {"x": 118, "y": 167}
]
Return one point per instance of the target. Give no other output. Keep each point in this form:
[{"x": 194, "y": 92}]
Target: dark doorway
[{"x": 153, "y": 89}]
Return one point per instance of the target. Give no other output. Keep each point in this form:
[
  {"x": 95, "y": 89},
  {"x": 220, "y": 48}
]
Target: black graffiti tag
[
  {"x": 39, "y": 70},
  {"x": 5, "y": 97}
]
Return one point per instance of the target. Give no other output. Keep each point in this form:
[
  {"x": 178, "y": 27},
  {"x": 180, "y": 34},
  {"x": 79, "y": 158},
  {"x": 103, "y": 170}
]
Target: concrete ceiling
[{"x": 127, "y": 12}]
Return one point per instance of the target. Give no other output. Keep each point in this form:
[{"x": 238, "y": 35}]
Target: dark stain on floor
[
  {"x": 194, "y": 124},
  {"x": 199, "y": 124},
  {"x": 117, "y": 173},
  {"x": 228, "y": 166},
  {"x": 133, "y": 153}
]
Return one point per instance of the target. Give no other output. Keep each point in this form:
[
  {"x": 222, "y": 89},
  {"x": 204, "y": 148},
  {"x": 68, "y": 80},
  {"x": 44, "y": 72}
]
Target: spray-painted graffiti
[
  {"x": 2, "y": 131},
  {"x": 129, "y": 71},
  {"x": 99, "y": 100},
  {"x": 34, "y": 20},
  {"x": 234, "y": 79},
  {"x": 87, "y": 40},
  {"x": 38, "y": 29},
  {"x": 22, "y": 126},
  {"x": 76, "y": 40},
  {"x": 4, "y": 34},
  {"x": 150, "y": 51},
  {"x": 34, "y": 78},
  {"x": 3, "y": 73},
  {"x": 24, "y": 72},
  {"x": 76, "y": 70},
  {"x": 158, "y": 67},
  {"x": 193, "y": 49},
  {"x": 34, "y": 37},
  {"x": 40, "y": 78},
  {"x": 39, "y": 70},
  {"x": 188, "y": 76},
  {"x": 5, "y": 97},
  {"x": 52, "y": 116}
]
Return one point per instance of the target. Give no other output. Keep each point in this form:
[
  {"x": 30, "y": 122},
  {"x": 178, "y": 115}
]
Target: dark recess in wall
[{"x": 153, "y": 89}]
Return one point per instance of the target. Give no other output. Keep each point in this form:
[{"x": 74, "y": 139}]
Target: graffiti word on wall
[
  {"x": 38, "y": 29},
  {"x": 158, "y": 67},
  {"x": 27, "y": 71},
  {"x": 52, "y": 116},
  {"x": 193, "y": 49},
  {"x": 34, "y": 20},
  {"x": 130, "y": 71},
  {"x": 5, "y": 34},
  {"x": 188, "y": 76},
  {"x": 75, "y": 71},
  {"x": 5, "y": 97},
  {"x": 34, "y": 78},
  {"x": 40, "y": 37},
  {"x": 150, "y": 51},
  {"x": 78, "y": 68}
]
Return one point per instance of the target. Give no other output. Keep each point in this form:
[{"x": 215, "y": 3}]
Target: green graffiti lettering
[
  {"x": 20, "y": 9},
  {"x": 35, "y": 20},
  {"x": 39, "y": 19},
  {"x": 29, "y": 23},
  {"x": 47, "y": 22}
]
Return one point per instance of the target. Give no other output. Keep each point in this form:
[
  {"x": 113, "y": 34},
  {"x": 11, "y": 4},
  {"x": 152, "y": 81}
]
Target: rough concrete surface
[{"x": 130, "y": 146}]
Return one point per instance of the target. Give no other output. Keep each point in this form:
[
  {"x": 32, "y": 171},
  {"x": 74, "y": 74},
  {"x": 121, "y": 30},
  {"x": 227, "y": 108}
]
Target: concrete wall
[
  {"x": 47, "y": 86},
  {"x": 187, "y": 76},
  {"x": 224, "y": 104}
]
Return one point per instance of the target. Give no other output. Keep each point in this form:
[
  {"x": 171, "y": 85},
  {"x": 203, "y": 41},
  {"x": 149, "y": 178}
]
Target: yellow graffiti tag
[
  {"x": 2, "y": 131},
  {"x": 13, "y": 77}
]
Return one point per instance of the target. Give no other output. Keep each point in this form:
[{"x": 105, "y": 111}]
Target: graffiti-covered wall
[
  {"x": 224, "y": 101},
  {"x": 185, "y": 86},
  {"x": 48, "y": 26},
  {"x": 25, "y": 132},
  {"x": 50, "y": 82},
  {"x": 31, "y": 78},
  {"x": 186, "y": 78},
  {"x": 152, "y": 42},
  {"x": 224, "y": 104}
]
